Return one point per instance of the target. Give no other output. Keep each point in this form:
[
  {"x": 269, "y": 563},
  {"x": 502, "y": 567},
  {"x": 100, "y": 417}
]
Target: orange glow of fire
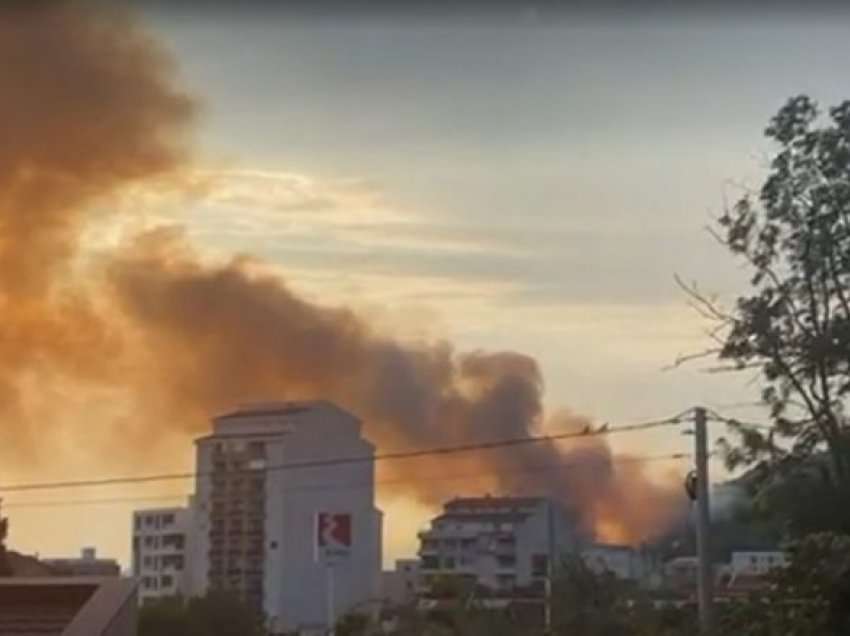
[{"x": 612, "y": 531}]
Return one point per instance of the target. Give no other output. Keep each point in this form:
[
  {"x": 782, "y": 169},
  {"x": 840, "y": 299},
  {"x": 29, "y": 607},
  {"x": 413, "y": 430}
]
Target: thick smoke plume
[{"x": 90, "y": 107}]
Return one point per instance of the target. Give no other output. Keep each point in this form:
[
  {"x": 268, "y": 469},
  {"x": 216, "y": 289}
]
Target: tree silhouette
[{"x": 794, "y": 323}]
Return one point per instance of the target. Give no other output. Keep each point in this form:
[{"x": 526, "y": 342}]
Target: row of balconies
[
  {"x": 236, "y": 552},
  {"x": 235, "y": 528},
  {"x": 448, "y": 562},
  {"x": 477, "y": 550}
]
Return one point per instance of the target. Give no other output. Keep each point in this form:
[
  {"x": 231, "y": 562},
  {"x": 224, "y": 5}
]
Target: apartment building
[
  {"x": 502, "y": 543},
  {"x": 160, "y": 558},
  {"x": 264, "y": 474}
]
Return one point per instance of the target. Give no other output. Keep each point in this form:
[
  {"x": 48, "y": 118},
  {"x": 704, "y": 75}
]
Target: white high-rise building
[
  {"x": 161, "y": 539},
  {"x": 503, "y": 543},
  {"x": 264, "y": 474}
]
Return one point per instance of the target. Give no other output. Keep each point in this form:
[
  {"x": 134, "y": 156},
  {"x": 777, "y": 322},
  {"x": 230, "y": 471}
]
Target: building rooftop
[
  {"x": 23, "y": 565},
  {"x": 63, "y": 606},
  {"x": 276, "y": 408},
  {"x": 609, "y": 547},
  {"x": 484, "y": 516},
  {"x": 492, "y": 502}
]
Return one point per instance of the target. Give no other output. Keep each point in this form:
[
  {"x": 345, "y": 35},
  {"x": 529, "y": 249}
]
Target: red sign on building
[{"x": 333, "y": 535}]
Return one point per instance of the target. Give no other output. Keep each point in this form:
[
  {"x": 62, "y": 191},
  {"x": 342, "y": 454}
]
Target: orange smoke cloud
[{"x": 92, "y": 109}]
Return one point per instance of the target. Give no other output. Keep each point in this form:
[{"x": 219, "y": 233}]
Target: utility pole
[
  {"x": 331, "y": 601},
  {"x": 706, "y": 575}
]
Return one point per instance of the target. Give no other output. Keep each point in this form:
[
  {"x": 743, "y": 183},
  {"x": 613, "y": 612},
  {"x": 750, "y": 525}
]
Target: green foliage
[
  {"x": 811, "y": 597},
  {"x": 167, "y": 617},
  {"x": 352, "y": 625},
  {"x": 794, "y": 324},
  {"x": 217, "y": 614},
  {"x": 588, "y": 603},
  {"x": 805, "y": 502}
]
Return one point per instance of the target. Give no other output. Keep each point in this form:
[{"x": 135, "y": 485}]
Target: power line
[
  {"x": 714, "y": 416},
  {"x": 344, "y": 486},
  {"x": 410, "y": 454}
]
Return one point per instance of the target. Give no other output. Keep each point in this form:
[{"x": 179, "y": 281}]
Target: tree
[
  {"x": 599, "y": 604},
  {"x": 794, "y": 324},
  {"x": 810, "y": 597},
  {"x": 5, "y": 566},
  {"x": 167, "y": 617},
  {"x": 218, "y": 613}
]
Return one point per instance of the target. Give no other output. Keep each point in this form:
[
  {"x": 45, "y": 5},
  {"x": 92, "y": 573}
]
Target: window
[
  {"x": 173, "y": 561},
  {"x": 149, "y": 521},
  {"x": 138, "y": 523},
  {"x": 539, "y": 565},
  {"x": 257, "y": 450},
  {"x": 507, "y": 581},
  {"x": 176, "y": 541},
  {"x": 149, "y": 542},
  {"x": 430, "y": 563},
  {"x": 148, "y": 561},
  {"x": 166, "y": 581},
  {"x": 449, "y": 563},
  {"x": 167, "y": 519}
]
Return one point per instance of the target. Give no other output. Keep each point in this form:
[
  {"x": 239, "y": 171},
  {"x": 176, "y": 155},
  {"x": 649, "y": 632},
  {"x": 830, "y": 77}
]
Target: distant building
[
  {"x": 757, "y": 563},
  {"x": 255, "y": 524},
  {"x": 88, "y": 564},
  {"x": 501, "y": 543},
  {"x": 22, "y": 565},
  {"x": 401, "y": 585},
  {"x": 160, "y": 557},
  {"x": 681, "y": 573},
  {"x": 622, "y": 561}
]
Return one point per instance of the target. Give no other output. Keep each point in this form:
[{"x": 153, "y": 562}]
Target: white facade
[
  {"x": 161, "y": 538},
  {"x": 622, "y": 561},
  {"x": 502, "y": 543},
  {"x": 256, "y": 510},
  {"x": 756, "y": 563},
  {"x": 402, "y": 584}
]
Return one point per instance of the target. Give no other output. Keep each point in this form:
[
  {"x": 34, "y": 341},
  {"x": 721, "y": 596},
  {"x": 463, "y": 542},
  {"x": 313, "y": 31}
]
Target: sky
[{"x": 531, "y": 182}]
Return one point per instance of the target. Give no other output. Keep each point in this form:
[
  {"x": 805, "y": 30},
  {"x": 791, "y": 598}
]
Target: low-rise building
[
  {"x": 681, "y": 573},
  {"x": 160, "y": 552},
  {"x": 401, "y": 585},
  {"x": 622, "y": 561},
  {"x": 756, "y": 563},
  {"x": 500, "y": 543},
  {"x": 88, "y": 564}
]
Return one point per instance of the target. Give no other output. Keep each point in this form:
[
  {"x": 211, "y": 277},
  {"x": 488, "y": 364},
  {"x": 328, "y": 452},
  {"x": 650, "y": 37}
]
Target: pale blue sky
[{"x": 574, "y": 163}]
